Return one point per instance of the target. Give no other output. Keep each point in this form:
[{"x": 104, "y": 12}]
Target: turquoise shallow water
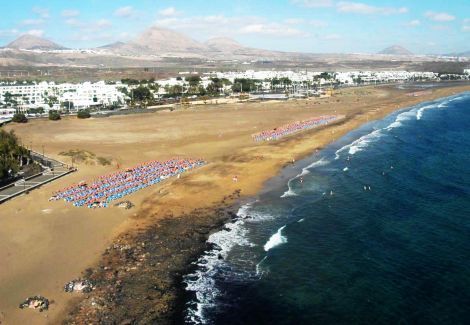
[{"x": 375, "y": 229}]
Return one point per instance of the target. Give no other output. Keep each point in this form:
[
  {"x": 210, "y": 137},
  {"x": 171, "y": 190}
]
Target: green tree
[
  {"x": 19, "y": 118},
  {"x": 216, "y": 86},
  {"x": 128, "y": 81},
  {"x": 174, "y": 91},
  {"x": 83, "y": 113},
  {"x": 54, "y": 115},
  {"x": 9, "y": 99},
  {"x": 11, "y": 154},
  {"x": 193, "y": 80},
  {"x": 39, "y": 110},
  {"x": 141, "y": 94},
  {"x": 51, "y": 100},
  {"x": 245, "y": 85}
]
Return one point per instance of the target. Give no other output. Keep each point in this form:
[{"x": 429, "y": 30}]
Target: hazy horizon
[{"x": 315, "y": 26}]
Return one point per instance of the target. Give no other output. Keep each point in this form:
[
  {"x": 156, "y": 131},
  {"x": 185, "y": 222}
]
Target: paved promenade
[{"x": 54, "y": 169}]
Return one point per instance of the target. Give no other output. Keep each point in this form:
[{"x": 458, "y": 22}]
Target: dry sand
[{"x": 45, "y": 244}]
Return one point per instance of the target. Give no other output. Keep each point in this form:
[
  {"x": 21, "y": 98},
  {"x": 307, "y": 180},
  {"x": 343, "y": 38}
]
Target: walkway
[{"x": 53, "y": 169}]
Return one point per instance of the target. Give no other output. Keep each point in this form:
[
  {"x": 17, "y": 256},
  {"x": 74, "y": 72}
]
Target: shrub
[
  {"x": 83, "y": 114},
  {"x": 19, "y": 118},
  {"x": 54, "y": 115}
]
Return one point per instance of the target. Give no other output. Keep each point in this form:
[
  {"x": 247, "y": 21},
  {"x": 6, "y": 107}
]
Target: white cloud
[
  {"x": 9, "y": 32},
  {"x": 365, "y": 9},
  {"x": 466, "y": 25},
  {"x": 31, "y": 22},
  {"x": 439, "y": 16},
  {"x": 208, "y": 23},
  {"x": 35, "y": 32},
  {"x": 68, "y": 13},
  {"x": 41, "y": 12},
  {"x": 313, "y": 3},
  {"x": 169, "y": 12},
  {"x": 125, "y": 12},
  {"x": 413, "y": 23},
  {"x": 94, "y": 37},
  {"x": 103, "y": 23},
  {"x": 272, "y": 29},
  {"x": 440, "y": 27},
  {"x": 294, "y": 21},
  {"x": 331, "y": 37},
  {"x": 317, "y": 23},
  {"x": 125, "y": 35},
  {"x": 89, "y": 27},
  {"x": 220, "y": 25},
  {"x": 73, "y": 22}
]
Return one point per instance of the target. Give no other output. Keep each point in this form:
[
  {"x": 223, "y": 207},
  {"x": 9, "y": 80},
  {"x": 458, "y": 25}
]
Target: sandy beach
[{"x": 45, "y": 244}]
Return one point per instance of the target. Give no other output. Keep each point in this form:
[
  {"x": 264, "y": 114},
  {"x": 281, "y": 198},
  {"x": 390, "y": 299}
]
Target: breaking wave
[
  {"x": 276, "y": 239},
  {"x": 290, "y": 191},
  {"x": 419, "y": 112},
  {"x": 202, "y": 281}
]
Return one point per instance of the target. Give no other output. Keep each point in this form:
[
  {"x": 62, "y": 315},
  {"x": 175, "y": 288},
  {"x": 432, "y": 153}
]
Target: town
[{"x": 35, "y": 99}]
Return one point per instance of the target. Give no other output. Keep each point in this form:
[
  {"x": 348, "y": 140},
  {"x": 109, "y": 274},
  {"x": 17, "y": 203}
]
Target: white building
[{"x": 45, "y": 94}]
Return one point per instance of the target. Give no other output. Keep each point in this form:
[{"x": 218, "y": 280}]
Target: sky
[{"x": 315, "y": 26}]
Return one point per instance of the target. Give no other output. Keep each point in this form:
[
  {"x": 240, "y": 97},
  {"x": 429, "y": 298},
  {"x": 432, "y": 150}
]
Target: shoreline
[
  {"x": 214, "y": 224},
  {"x": 181, "y": 212},
  {"x": 274, "y": 187}
]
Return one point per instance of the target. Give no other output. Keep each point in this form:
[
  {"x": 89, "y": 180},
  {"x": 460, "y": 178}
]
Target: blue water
[{"x": 377, "y": 232}]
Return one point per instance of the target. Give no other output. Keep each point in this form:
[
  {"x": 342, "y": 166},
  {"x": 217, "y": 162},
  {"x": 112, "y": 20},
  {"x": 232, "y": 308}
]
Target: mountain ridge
[
  {"x": 396, "y": 50},
  {"x": 31, "y": 42}
]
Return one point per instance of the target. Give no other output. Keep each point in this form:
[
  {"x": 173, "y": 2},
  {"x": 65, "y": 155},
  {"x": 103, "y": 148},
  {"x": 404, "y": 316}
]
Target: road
[{"x": 55, "y": 169}]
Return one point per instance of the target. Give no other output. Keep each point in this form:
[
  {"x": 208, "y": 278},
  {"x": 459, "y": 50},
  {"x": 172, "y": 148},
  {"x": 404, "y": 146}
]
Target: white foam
[
  {"x": 259, "y": 271},
  {"x": 402, "y": 117},
  {"x": 364, "y": 141},
  {"x": 305, "y": 171},
  {"x": 290, "y": 192},
  {"x": 321, "y": 162},
  {"x": 394, "y": 125},
  {"x": 419, "y": 113},
  {"x": 359, "y": 144},
  {"x": 201, "y": 282},
  {"x": 276, "y": 240}
]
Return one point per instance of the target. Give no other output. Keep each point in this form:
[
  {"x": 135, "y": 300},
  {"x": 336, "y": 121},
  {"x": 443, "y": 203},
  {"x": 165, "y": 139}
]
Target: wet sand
[{"x": 45, "y": 244}]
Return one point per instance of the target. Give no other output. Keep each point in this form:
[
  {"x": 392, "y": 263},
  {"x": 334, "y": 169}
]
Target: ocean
[{"x": 374, "y": 229}]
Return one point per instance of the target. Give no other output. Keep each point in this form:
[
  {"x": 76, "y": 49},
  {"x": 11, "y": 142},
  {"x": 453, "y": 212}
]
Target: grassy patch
[
  {"x": 86, "y": 157},
  {"x": 104, "y": 161}
]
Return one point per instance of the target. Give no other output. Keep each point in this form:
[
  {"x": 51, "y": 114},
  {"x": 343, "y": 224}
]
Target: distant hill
[
  {"x": 464, "y": 54},
  {"x": 396, "y": 50},
  {"x": 157, "y": 45},
  {"x": 162, "y": 40},
  {"x": 158, "y": 41},
  {"x": 223, "y": 44},
  {"x": 30, "y": 42}
]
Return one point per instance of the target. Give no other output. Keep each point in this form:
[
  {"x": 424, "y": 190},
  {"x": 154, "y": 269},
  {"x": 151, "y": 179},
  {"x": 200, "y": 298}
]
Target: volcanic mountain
[
  {"x": 31, "y": 42},
  {"x": 159, "y": 41},
  {"x": 395, "y": 50},
  {"x": 223, "y": 44}
]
